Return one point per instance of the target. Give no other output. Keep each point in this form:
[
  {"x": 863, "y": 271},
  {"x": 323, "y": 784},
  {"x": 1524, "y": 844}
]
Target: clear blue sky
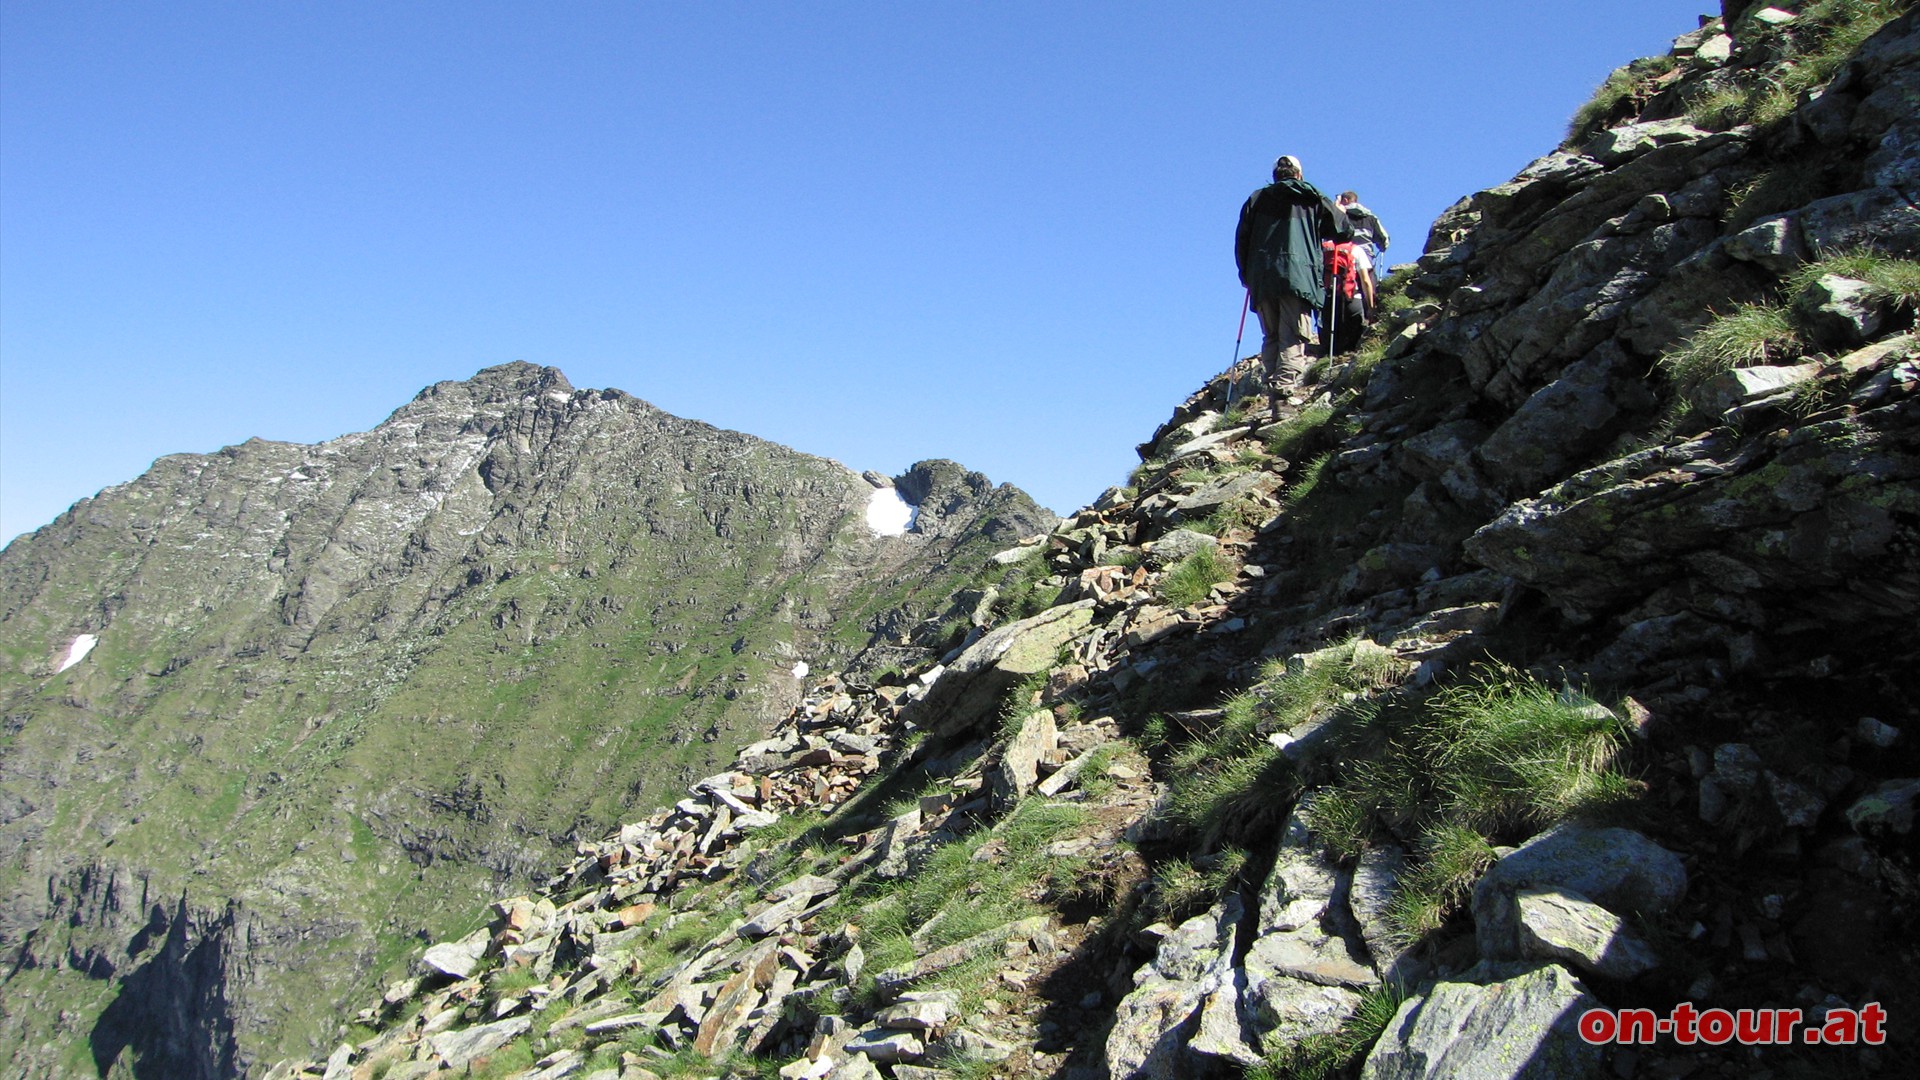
[{"x": 995, "y": 232}]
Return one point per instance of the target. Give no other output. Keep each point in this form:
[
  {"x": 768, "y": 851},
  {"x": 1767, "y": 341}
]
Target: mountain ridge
[{"x": 276, "y": 613}]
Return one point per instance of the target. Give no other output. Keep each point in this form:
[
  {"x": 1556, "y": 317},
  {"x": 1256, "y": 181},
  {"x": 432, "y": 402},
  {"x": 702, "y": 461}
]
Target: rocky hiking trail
[{"x": 1515, "y": 669}]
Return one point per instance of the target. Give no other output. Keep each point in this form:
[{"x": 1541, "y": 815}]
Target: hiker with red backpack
[
  {"x": 1277, "y": 247},
  {"x": 1345, "y": 314}
]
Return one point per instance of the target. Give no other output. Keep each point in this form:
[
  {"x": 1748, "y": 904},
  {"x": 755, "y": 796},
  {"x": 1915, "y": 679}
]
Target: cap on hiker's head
[{"x": 1287, "y": 166}]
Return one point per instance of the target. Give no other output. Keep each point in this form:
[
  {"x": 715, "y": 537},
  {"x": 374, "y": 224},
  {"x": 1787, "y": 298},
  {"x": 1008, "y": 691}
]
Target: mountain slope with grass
[
  {"x": 1553, "y": 651},
  {"x": 278, "y": 714}
]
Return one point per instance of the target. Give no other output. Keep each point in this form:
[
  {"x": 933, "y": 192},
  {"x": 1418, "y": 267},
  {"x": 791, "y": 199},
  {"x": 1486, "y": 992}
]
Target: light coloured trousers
[{"x": 1284, "y": 322}]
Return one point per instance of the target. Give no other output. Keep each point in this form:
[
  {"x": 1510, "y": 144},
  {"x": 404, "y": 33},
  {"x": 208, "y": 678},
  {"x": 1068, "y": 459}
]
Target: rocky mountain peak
[
  {"x": 489, "y": 394},
  {"x": 372, "y": 665},
  {"x": 516, "y": 379}
]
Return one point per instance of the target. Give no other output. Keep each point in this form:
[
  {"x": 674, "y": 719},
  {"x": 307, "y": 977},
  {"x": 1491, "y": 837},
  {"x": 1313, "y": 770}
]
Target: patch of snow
[
  {"x": 800, "y": 670},
  {"x": 888, "y": 514},
  {"x": 77, "y": 651}
]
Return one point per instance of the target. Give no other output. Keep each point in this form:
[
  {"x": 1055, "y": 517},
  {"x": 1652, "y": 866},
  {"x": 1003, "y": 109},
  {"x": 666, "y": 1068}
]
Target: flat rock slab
[
  {"x": 1730, "y": 390},
  {"x": 1178, "y": 544},
  {"x": 888, "y": 1045},
  {"x": 857, "y": 1067},
  {"x": 808, "y": 884},
  {"x": 1255, "y": 483},
  {"x": 890, "y": 861},
  {"x": 1306, "y": 929},
  {"x": 1287, "y": 1010},
  {"x": 1223, "y": 1031},
  {"x": 1522, "y": 1026},
  {"x": 626, "y": 1022},
  {"x": 1559, "y": 924},
  {"x": 893, "y": 980},
  {"x": 1617, "y": 145},
  {"x": 1619, "y": 869},
  {"x": 1311, "y": 955},
  {"x": 457, "y": 958},
  {"x": 458, "y": 1048},
  {"x": 1150, "y": 1031},
  {"x": 613, "y": 943},
  {"x": 774, "y": 916},
  {"x": 969, "y": 690},
  {"x": 915, "y": 1016},
  {"x": 1376, "y": 881}
]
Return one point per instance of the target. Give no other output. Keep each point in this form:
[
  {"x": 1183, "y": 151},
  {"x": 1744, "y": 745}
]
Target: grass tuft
[
  {"x": 1451, "y": 860},
  {"x": 1241, "y": 512},
  {"x": 1617, "y": 97},
  {"x": 1510, "y": 752},
  {"x": 1391, "y": 294},
  {"x": 1193, "y": 577},
  {"x": 1360, "y": 366},
  {"x": 1020, "y": 702},
  {"x": 1233, "y": 782},
  {"x": 1747, "y": 335},
  {"x": 1888, "y": 278},
  {"x": 1024, "y": 588},
  {"x": 963, "y": 889},
  {"x": 1293, "y": 435},
  {"x": 1324, "y": 1057},
  {"x": 1499, "y": 755},
  {"x": 1145, "y": 472},
  {"x": 1182, "y": 888},
  {"x": 1839, "y": 28},
  {"x": 1234, "y": 416},
  {"x": 1720, "y": 107},
  {"x": 967, "y": 1067},
  {"x": 1304, "y": 484},
  {"x": 1338, "y": 819}
]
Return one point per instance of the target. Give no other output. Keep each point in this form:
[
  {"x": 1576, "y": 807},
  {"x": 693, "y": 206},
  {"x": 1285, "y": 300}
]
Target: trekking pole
[
  {"x": 1233, "y": 369},
  {"x": 1333, "y": 311}
]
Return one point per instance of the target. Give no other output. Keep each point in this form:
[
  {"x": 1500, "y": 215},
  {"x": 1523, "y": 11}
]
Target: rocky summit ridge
[{"x": 1552, "y": 652}]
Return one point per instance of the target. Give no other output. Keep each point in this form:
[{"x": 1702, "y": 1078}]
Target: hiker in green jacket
[{"x": 1277, "y": 248}]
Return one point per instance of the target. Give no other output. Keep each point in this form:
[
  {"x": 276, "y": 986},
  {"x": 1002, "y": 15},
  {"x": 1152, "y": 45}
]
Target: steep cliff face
[
  {"x": 324, "y": 696},
  {"x": 1552, "y": 652}
]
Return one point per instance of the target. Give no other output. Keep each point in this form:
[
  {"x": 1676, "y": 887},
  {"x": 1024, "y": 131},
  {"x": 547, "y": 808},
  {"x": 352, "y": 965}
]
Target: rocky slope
[
  {"x": 1552, "y": 652},
  {"x": 276, "y": 714}
]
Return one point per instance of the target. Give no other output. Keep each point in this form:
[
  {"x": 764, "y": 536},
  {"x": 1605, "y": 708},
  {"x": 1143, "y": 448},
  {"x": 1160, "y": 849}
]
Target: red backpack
[{"x": 1340, "y": 272}]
